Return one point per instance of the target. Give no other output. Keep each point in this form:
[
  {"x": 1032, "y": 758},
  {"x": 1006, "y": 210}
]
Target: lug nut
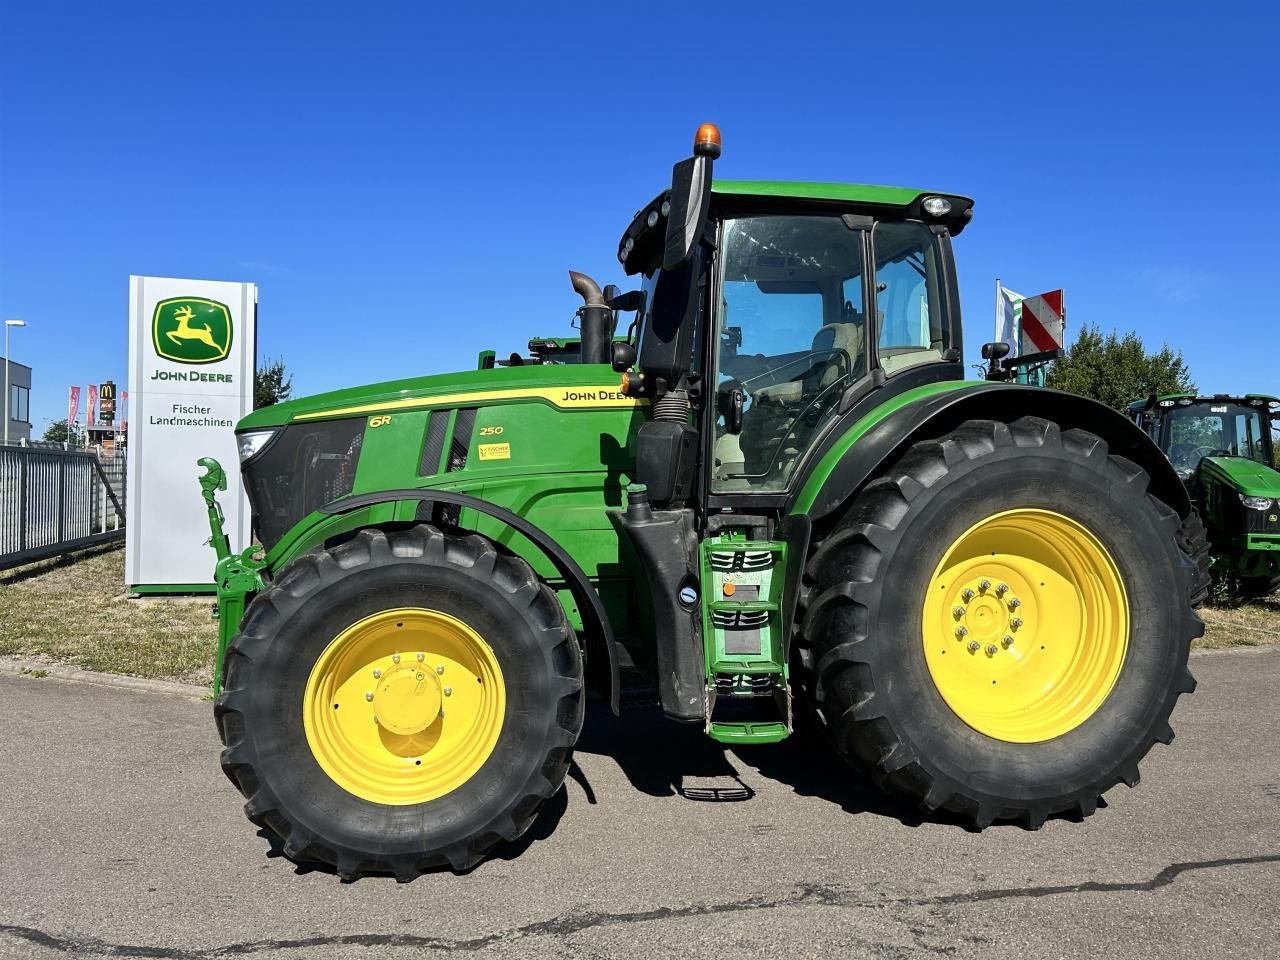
[
  {"x": 967, "y": 594},
  {"x": 440, "y": 668},
  {"x": 376, "y": 673},
  {"x": 984, "y": 585},
  {"x": 958, "y": 612},
  {"x": 991, "y": 649},
  {"x": 1015, "y": 603},
  {"x": 962, "y": 631},
  {"x": 1016, "y": 622},
  {"x": 1007, "y": 641},
  {"x": 421, "y": 657},
  {"x": 1002, "y": 589},
  {"x": 395, "y": 658},
  {"x": 974, "y": 646},
  {"x": 448, "y": 691},
  {"x": 368, "y": 695}
]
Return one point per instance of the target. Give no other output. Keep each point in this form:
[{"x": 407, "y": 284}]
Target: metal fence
[{"x": 55, "y": 501}]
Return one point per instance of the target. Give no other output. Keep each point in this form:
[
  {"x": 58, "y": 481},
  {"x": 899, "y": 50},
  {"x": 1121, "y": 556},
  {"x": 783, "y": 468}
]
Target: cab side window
[{"x": 909, "y": 299}]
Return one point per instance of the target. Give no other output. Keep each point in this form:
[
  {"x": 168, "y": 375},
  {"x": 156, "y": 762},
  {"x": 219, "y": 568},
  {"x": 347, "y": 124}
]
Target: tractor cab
[
  {"x": 1189, "y": 428},
  {"x": 1224, "y": 450},
  {"x": 784, "y": 304}
]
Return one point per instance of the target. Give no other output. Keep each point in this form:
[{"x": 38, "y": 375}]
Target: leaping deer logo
[{"x": 185, "y": 331}]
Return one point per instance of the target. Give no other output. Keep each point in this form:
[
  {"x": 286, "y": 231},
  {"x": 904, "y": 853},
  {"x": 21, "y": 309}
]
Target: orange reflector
[
  {"x": 729, "y": 588},
  {"x": 707, "y": 141}
]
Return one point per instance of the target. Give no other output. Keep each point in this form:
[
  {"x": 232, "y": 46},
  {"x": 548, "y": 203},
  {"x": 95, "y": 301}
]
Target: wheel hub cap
[
  {"x": 404, "y": 706},
  {"x": 407, "y": 700}
]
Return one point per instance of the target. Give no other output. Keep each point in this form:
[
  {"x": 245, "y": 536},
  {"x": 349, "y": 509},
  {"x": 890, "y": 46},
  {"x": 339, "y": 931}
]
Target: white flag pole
[{"x": 999, "y": 312}]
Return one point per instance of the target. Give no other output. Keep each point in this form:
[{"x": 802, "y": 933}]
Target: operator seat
[
  {"x": 838, "y": 352},
  {"x": 836, "y": 348}
]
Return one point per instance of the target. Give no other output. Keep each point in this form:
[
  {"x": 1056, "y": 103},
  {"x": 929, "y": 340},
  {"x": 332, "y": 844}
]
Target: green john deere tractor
[
  {"x": 1223, "y": 449},
  {"x": 792, "y": 501}
]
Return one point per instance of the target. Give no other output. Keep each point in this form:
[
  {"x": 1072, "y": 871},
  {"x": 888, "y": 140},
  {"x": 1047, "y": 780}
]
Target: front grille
[{"x": 306, "y": 466}]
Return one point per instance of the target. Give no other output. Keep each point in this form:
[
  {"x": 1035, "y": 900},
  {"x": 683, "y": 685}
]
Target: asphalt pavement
[{"x": 119, "y": 837}]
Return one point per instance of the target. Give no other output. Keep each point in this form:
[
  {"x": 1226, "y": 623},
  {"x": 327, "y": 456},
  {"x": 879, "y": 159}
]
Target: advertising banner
[
  {"x": 191, "y": 367},
  {"x": 73, "y": 406},
  {"x": 91, "y": 418}
]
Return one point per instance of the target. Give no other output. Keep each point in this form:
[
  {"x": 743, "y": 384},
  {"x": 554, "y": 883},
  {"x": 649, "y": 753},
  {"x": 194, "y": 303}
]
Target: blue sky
[{"x": 410, "y": 182}]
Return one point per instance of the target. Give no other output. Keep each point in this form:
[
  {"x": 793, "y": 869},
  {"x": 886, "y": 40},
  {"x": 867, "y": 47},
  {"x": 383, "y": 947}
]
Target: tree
[
  {"x": 271, "y": 384},
  {"x": 59, "y": 432},
  {"x": 1118, "y": 370}
]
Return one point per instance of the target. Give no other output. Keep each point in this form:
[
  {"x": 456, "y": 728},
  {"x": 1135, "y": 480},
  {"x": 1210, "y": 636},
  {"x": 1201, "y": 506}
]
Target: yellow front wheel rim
[
  {"x": 404, "y": 706},
  {"x": 1026, "y": 625}
]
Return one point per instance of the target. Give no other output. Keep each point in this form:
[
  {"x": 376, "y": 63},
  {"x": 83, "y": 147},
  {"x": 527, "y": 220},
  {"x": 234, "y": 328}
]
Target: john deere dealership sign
[{"x": 191, "y": 350}]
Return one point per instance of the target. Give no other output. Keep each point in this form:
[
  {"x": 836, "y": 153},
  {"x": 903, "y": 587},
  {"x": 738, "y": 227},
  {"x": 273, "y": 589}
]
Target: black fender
[
  {"x": 939, "y": 414},
  {"x": 595, "y": 622}
]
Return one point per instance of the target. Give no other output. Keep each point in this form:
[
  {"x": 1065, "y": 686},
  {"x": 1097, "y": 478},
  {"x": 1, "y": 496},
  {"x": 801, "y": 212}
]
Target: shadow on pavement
[{"x": 664, "y": 759}]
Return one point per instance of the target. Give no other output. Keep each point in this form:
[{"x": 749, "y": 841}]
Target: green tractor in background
[
  {"x": 1223, "y": 449},
  {"x": 979, "y": 592}
]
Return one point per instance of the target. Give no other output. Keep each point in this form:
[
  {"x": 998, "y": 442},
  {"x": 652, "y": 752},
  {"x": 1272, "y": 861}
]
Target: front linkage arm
[{"x": 237, "y": 576}]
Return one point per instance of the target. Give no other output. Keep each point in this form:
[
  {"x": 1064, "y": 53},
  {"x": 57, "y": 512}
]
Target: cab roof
[
  {"x": 837, "y": 192},
  {"x": 731, "y": 196}
]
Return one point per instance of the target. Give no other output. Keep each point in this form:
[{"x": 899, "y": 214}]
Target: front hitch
[{"x": 237, "y": 576}]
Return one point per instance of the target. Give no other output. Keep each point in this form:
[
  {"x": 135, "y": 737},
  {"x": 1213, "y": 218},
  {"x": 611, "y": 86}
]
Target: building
[{"x": 19, "y": 402}]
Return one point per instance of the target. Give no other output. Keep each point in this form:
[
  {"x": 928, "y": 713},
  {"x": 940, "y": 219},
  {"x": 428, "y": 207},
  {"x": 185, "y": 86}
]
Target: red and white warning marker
[{"x": 1043, "y": 319}]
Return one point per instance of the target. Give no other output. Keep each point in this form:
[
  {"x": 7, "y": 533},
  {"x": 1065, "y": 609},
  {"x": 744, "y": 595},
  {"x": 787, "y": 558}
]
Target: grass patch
[
  {"x": 1240, "y": 623},
  {"x": 75, "y": 610}
]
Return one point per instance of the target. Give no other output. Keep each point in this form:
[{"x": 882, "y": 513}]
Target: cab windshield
[
  {"x": 1201, "y": 430},
  {"x": 793, "y": 332}
]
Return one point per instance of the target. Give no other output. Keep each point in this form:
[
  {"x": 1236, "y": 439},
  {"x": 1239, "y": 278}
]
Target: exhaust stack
[{"x": 596, "y": 318}]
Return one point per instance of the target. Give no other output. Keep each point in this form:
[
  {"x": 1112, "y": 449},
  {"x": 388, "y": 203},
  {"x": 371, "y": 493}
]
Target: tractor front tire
[
  {"x": 999, "y": 626},
  {"x": 1193, "y": 540},
  {"x": 1255, "y": 588},
  {"x": 400, "y": 702}
]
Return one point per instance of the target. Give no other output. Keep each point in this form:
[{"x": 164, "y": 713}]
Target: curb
[{"x": 73, "y": 674}]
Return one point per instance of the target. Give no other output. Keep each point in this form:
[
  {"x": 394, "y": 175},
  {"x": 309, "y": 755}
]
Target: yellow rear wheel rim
[
  {"x": 1026, "y": 624},
  {"x": 404, "y": 706}
]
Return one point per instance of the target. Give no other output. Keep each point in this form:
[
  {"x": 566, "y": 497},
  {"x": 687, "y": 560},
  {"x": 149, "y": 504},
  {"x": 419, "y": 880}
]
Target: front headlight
[
  {"x": 253, "y": 441},
  {"x": 1256, "y": 503}
]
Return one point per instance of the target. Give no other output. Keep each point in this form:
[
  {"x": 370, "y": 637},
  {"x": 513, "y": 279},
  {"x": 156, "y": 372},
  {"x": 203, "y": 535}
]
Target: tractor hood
[
  {"x": 557, "y": 384},
  {"x": 1248, "y": 477}
]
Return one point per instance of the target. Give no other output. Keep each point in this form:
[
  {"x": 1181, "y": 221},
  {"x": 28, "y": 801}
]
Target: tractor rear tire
[
  {"x": 931, "y": 729},
  {"x": 341, "y": 686}
]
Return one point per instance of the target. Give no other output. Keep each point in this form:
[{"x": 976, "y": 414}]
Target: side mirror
[
  {"x": 623, "y": 357},
  {"x": 631, "y": 301},
  {"x": 690, "y": 198},
  {"x": 996, "y": 350}
]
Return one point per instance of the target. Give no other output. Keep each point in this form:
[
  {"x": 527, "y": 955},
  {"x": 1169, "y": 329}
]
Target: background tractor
[
  {"x": 1223, "y": 449},
  {"x": 793, "y": 501}
]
